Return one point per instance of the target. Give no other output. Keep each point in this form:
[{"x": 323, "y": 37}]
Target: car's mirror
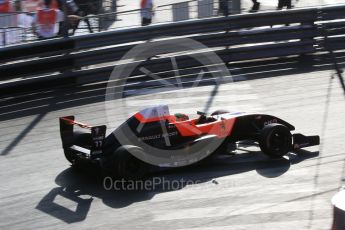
[{"x": 200, "y": 113}]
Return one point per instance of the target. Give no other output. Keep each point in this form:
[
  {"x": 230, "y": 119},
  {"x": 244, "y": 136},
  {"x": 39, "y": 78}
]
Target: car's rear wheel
[
  {"x": 127, "y": 166},
  {"x": 79, "y": 139},
  {"x": 275, "y": 140}
]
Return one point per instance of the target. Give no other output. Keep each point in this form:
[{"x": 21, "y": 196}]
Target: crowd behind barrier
[
  {"x": 88, "y": 16},
  {"x": 28, "y": 20},
  {"x": 19, "y": 25}
]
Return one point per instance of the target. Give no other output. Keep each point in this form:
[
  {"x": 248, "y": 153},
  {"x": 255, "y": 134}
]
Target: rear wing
[{"x": 97, "y": 136}]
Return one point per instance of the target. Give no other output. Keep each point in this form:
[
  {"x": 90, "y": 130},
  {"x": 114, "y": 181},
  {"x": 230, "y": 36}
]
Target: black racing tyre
[
  {"x": 80, "y": 139},
  {"x": 220, "y": 111},
  {"x": 127, "y": 166},
  {"x": 275, "y": 140}
]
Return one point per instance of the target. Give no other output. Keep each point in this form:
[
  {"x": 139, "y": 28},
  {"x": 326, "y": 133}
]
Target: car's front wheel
[{"x": 275, "y": 140}]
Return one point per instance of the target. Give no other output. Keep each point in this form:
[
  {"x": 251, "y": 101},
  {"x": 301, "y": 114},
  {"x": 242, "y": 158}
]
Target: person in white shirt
[{"x": 146, "y": 12}]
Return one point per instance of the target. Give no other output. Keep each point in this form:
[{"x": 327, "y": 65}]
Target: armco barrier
[{"x": 246, "y": 37}]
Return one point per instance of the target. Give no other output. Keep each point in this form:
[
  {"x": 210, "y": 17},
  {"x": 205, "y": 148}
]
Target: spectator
[
  {"x": 282, "y": 3},
  {"x": 5, "y": 6},
  {"x": 46, "y": 20},
  {"x": 80, "y": 13},
  {"x": 12, "y": 22},
  {"x": 146, "y": 12},
  {"x": 255, "y": 7}
]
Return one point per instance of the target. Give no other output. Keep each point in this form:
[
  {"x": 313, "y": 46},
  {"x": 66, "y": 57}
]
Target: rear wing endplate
[{"x": 67, "y": 134}]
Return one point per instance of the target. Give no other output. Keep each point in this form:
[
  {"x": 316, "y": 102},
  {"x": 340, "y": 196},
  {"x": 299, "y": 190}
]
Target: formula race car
[{"x": 154, "y": 139}]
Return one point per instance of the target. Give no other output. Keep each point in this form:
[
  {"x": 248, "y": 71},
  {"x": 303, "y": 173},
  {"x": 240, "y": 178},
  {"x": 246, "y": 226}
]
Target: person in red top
[
  {"x": 146, "y": 12},
  {"x": 46, "y": 20},
  {"x": 5, "y": 6}
]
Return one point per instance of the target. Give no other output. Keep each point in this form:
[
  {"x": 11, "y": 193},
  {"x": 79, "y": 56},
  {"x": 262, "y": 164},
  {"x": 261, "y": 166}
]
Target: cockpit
[{"x": 161, "y": 112}]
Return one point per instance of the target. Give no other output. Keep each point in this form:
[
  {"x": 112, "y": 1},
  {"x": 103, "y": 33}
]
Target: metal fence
[{"x": 13, "y": 29}]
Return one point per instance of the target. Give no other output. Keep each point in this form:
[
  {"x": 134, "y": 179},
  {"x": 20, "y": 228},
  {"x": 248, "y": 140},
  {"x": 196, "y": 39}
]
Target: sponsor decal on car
[{"x": 158, "y": 136}]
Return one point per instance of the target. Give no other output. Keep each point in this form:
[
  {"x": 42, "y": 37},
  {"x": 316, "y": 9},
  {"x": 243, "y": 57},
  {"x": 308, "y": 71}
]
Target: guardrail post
[
  {"x": 310, "y": 39},
  {"x": 308, "y": 24}
]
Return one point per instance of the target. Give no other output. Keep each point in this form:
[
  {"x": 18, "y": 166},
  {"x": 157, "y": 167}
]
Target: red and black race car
[{"x": 153, "y": 139}]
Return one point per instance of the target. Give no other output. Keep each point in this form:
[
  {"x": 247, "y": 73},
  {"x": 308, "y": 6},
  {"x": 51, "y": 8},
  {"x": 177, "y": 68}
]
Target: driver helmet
[{"x": 181, "y": 117}]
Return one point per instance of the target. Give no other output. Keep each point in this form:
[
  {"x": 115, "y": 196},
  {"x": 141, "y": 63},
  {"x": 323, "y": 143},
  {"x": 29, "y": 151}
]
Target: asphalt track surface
[{"x": 39, "y": 190}]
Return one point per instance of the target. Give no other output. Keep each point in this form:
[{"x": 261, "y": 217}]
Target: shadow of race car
[{"x": 153, "y": 139}]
